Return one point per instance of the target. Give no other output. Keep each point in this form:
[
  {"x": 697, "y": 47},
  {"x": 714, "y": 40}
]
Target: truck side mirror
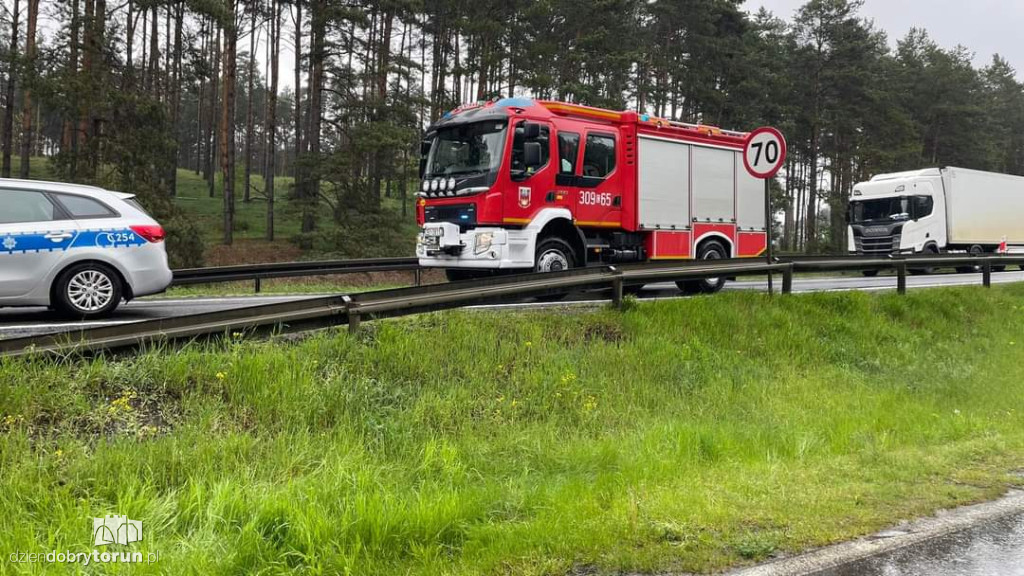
[
  {"x": 531, "y": 154},
  {"x": 531, "y": 131},
  {"x": 424, "y": 153}
]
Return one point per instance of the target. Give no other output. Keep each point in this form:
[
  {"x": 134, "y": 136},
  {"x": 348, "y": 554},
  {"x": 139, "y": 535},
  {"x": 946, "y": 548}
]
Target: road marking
[{"x": 95, "y": 324}]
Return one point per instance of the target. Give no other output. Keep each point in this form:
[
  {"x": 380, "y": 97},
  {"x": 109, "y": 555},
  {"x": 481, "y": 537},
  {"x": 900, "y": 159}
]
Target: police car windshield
[{"x": 467, "y": 149}]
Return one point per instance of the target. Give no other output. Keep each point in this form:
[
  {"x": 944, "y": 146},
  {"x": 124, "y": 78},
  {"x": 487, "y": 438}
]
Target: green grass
[{"x": 678, "y": 435}]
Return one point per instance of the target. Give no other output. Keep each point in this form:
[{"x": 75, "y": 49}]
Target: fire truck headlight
[
  {"x": 483, "y": 242},
  {"x": 435, "y": 184},
  {"x": 425, "y": 186},
  {"x": 451, "y": 183}
]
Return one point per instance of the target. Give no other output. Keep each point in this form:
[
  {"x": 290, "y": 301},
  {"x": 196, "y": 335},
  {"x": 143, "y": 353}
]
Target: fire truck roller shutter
[
  {"x": 714, "y": 185},
  {"x": 664, "y": 184}
]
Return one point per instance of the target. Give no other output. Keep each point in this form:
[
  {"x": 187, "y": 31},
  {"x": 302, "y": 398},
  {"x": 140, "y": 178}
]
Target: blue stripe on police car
[{"x": 47, "y": 242}]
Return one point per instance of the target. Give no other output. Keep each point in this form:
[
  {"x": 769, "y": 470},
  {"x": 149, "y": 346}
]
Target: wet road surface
[{"x": 993, "y": 549}]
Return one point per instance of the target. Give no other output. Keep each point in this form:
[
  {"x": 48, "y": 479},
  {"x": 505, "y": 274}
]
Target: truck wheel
[
  {"x": 553, "y": 255},
  {"x": 87, "y": 291},
  {"x": 973, "y": 251},
  {"x": 929, "y": 250},
  {"x": 712, "y": 250}
]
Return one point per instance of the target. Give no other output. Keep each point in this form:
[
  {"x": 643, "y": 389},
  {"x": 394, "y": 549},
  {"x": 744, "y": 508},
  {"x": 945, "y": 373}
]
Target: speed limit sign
[{"x": 764, "y": 152}]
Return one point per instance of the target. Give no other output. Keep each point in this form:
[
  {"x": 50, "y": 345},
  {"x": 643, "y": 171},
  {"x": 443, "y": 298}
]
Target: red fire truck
[{"x": 520, "y": 185}]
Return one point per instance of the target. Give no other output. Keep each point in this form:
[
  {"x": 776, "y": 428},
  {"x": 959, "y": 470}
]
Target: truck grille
[
  {"x": 877, "y": 244},
  {"x": 462, "y": 214}
]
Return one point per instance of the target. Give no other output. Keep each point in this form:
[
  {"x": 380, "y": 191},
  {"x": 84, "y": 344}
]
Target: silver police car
[{"x": 78, "y": 249}]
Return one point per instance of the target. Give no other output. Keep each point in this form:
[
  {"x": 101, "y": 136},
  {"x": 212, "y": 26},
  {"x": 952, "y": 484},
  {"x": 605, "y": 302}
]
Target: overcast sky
[{"x": 985, "y": 27}]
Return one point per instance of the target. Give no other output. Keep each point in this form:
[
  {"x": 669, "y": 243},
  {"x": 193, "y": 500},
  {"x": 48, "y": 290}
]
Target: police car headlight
[
  {"x": 483, "y": 242},
  {"x": 451, "y": 183}
]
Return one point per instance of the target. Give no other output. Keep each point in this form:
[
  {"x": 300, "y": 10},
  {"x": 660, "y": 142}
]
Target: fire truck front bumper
[{"x": 443, "y": 245}]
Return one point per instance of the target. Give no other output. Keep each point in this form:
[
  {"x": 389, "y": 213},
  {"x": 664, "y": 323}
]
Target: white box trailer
[
  {"x": 937, "y": 210},
  {"x": 983, "y": 207}
]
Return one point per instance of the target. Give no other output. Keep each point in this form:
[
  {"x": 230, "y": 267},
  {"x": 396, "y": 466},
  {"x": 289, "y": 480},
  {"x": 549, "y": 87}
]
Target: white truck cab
[
  {"x": 901, "y": 213},
  {"x": 937, "y": 210}
]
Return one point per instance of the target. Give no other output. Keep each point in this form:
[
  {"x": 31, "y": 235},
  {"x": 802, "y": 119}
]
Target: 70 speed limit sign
[{"x": 764, "y": 152}]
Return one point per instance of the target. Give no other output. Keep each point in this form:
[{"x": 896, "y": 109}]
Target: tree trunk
[
  {"x": 175, "y": 90},
  {"x": 26, "y": 107},
  {"x": 311, "y": 184},
  {"x": 227, "y": 132},
  {"x": 249, "y": 123},
  {"x": 298, "y": 87},
  {"x": 275, "y": 44},
  {"x": 12, "y": 77},
  {"x": 154, "y": 53},
  {"x": 214, "y": 91},
  {"x": 68, "y": 142}
]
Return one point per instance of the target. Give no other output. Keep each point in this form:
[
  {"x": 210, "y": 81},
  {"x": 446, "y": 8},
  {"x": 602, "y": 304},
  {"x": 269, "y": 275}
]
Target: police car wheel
[{"x": 88, "y": 291}]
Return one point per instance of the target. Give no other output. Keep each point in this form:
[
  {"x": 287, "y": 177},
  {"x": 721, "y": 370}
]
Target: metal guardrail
[
  {"x": 355, "y": 308},
  {"x": 260, "y": 272}
]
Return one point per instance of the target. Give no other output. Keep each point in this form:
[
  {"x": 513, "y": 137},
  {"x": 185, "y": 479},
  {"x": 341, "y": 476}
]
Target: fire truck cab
[{"x": 520, "y": 185}]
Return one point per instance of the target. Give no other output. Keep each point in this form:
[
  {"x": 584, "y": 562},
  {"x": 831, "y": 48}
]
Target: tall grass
[{"x": 686, "y": 435}]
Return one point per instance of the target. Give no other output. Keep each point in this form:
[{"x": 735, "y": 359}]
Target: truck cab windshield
[
  {"x": 880, "y": 209},
  {"x": 467, "y": 149}
]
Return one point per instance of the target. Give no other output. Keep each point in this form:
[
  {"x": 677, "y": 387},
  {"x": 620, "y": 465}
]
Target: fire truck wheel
[
  {"x": 554, "y": 255},
  {"x": 708, "y": 251}
]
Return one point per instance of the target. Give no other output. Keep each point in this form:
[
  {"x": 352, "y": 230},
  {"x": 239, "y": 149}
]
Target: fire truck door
[{"x": 598, "y": 188}]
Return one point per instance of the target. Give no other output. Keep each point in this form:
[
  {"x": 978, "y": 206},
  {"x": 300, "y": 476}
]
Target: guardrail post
[
  {"x": 787, "y": 279},
  {"x": 354, "y": 320},
  {"x": 986, "y": 273},
  {"x": 901, "y": 277},
  {"x": 617, "y": 292},
  {"x": 258, "y": 284},
  {"x": 418, "y": 276}
]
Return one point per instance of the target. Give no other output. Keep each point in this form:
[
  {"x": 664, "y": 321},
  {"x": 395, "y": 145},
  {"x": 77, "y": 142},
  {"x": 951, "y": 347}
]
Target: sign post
[{"x": 763, "y": 156}]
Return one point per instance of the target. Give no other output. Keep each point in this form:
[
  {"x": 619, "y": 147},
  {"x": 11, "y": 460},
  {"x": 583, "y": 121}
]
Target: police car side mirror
[{"x": 531, "y": 154}]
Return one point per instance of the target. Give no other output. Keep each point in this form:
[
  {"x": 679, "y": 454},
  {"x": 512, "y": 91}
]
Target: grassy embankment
[{"x": 682, "y": 435}]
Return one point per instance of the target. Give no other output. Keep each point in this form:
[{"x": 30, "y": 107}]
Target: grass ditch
[{"x": 684, "y": 435}]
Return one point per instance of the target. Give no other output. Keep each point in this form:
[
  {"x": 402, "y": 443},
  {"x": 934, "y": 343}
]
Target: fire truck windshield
[{"x": 467, "y": 149}]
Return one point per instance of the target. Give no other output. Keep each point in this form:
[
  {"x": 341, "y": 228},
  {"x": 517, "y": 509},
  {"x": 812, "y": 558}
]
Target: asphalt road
[
  {"x": 992, "y": 549},
  {"x": 19, "y": 322}
]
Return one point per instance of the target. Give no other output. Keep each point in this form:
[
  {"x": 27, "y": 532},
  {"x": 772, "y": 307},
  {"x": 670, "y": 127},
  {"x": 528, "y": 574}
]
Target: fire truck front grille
[
  {"x": 462, "y": 214},
  {"x": 878, "y": 244}
]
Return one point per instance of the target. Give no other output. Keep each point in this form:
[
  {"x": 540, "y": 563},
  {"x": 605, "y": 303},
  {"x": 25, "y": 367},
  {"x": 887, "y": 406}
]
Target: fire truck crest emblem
[{"x": 524, "y": 197}]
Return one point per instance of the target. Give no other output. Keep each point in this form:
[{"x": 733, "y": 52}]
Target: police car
[{"x": 78, "y": 249}]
